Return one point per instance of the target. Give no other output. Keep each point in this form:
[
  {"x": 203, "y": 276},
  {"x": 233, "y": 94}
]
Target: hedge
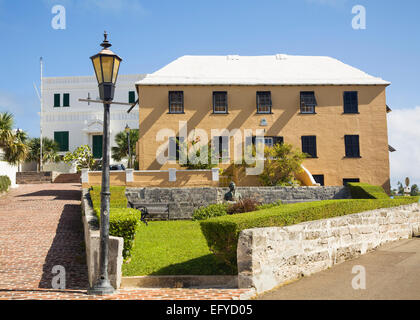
[
  {"x": 366, "y": 191},
  {"x": 5, "y": 183},
  {"x": 123, "y": 221},
  {"x": 222, "y": 233}
]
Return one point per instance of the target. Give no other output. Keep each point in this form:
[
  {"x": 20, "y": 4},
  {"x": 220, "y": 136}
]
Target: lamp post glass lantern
[
  {"x": 106, "y": 65},
  {"x": 127, "y": 131}
]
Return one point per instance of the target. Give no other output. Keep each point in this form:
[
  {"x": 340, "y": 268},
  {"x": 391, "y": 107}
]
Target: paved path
[
  {"x": 392, "y": 272},
  {"x": 40, "y": 227}
]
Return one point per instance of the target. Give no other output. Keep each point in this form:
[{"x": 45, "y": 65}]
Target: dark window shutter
[
  {"x": 62, "y": 139},
  {"x": 278, "y": 140},
  {"x": 56, "y": 100},
  {"x": 319, "y": 178},
  {"x": 350, "y": 101},
  {"x": 352, "y": 146},
  {"x": 131, "y": 97},
  {"x": 66, "y": 100}
]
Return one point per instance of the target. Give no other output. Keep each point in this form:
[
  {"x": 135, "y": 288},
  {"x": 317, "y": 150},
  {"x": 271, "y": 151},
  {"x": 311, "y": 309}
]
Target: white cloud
[{"x": 404, "y": 135}]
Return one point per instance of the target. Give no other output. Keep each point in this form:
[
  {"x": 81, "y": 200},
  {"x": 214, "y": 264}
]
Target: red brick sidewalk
[{"x": 40, "y": 227}]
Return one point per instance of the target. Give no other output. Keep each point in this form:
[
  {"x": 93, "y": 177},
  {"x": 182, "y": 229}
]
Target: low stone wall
[
  {"x": 32, "y": 177},
  {"x": 92, "y": 241},
  {"x": 269, "y": 257},
  {"x": 183, "y": 201}
]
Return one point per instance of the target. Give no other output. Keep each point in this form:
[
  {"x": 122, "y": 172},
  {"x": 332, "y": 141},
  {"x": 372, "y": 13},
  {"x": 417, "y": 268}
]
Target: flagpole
[{"x": 40, "y": 139}]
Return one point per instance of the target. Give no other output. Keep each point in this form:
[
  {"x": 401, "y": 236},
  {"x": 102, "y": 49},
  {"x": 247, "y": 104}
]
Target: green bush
[
  {"x": 4, "y": 183},
  {"x": 123, "y": 221},
  {"x": 366, "y": 191},
  {"x": 269, "y": 205},
  {"x": 222, "y": 233},
  {"x": 213, "y": 210}
]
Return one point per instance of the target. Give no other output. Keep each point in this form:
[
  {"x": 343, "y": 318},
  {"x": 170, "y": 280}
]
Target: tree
[
  {"x": 82, "y": 157},
  {"x": 400, "y": 188},
  {"x": 281, "y": 163},
  {"x": 50, "y": 151},
  {"x": 414, "y": 190},
  {"x": 120, "y": 151},
  {"x": 194, "y": 149},
  {"x": 12, "y": 143}
]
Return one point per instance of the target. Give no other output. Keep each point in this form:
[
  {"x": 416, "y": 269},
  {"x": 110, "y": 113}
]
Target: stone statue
[{"x": 232, "y": 195}]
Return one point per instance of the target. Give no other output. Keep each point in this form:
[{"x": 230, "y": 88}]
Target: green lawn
[{"x": 172, "y": 248}]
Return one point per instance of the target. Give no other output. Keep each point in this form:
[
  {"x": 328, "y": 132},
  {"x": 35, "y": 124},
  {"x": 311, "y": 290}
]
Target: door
[{"x": 97, "y": 146}]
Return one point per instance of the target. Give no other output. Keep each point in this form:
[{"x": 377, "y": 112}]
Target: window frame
[
  {"x": 305, "y": 144},
  {"x": 352, "y": 109},
  {"x": 171, "y": 102},
  {"x": 131, "y": 96},
  {"x": 269, "y": 104},
  {"x": 215, "y": 93},
  {"x": 319, "y": 176},
  {"x": 303, "y": 105},
  {"x": 350, "y": 146}
]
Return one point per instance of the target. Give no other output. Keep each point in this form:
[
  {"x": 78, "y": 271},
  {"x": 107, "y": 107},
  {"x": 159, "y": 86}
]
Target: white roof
[{"x": 277, "y": 69}]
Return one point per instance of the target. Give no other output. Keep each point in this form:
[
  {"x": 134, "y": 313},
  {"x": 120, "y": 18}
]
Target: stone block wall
[
  {"x": 183, "y": 201},
  {"x": 269, "y": 257}
]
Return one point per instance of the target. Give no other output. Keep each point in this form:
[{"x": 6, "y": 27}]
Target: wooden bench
[{"x": 156, "y": 211}]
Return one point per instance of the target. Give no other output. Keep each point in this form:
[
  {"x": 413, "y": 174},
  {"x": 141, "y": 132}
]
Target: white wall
[
  {"x": 81, "y": 120},
  {"x": 10, "y": 171}
]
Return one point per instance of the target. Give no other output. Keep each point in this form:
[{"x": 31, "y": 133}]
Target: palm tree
[
  {"x": 121, "y": 150},
  {"x": 6, "y": 124},
  {"x": 13, "y": 143},
  {"x": 50, "y": 150}
]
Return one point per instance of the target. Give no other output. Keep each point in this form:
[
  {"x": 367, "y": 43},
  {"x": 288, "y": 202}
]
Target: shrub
[
  {"x": 222, "y": 233},
  {"x": 213, "y": 210},
  {"x": 269, "y": 205},
  {"x": 123, "y": 221},
  {"x": 366, "y": 191},
  {"x": 4, "y": 183},
  {"x": 242, "y": 206}
]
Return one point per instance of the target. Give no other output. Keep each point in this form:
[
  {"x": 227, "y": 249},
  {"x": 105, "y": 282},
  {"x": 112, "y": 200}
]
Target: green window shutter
[
  {"x": 66, "y": 100},
  {"x": 62, "y": 138},
  {"x": 131, "y": 97},
  {"x": 56, "y": 100}
]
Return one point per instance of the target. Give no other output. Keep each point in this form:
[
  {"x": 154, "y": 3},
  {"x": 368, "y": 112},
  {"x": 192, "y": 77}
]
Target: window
[
  {"x": 66, "y": 100},
  {"x": 56, "y": 100},
  {"x": 350, "y": 102},
  {"x": 269, "y": 141},
  {"x": 309, "y": 145},
  {"x": 174, "y": 148},
  {"x": 221, "y": 146},
  {"x": 352, "y": 146},
  {"x": 220, "y": 104},
  {"x": 62, "y": 138},
  {"x": 319, "y": 178},
  {"x": 131, "y": 97},
  {"x": 264, "y": 102},
  {"x": 346, "y": 181},
  {"x": 307, "y": 102},
  {"x": 176, "y": 101}
]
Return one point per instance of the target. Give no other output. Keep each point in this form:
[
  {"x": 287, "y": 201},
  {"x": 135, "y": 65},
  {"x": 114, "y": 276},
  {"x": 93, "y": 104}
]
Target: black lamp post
[
  {"x": 106, "y": 65},
  {"x": 127, "y": 131}
]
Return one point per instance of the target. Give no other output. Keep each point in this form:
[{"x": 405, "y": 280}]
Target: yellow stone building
[{"x": 330, "y": 110}]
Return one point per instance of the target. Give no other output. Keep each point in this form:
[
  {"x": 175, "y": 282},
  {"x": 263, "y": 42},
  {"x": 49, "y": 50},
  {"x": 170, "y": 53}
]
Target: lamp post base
[{"x": 102, "y": 287}]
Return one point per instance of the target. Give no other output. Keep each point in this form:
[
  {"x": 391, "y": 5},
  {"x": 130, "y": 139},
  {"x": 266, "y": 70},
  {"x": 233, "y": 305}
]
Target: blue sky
[{"x": 150, "y": 34}]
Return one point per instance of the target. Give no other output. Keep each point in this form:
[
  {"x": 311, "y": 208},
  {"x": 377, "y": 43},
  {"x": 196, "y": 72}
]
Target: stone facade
[
  {"x": 183, "y": 201},
  {"x": 269, "y": 257}
]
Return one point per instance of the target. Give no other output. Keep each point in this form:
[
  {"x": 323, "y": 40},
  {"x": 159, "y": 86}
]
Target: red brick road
[{"x": 40, "y": 227}]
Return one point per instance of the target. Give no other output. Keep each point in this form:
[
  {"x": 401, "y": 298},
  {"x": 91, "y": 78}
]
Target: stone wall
[
  {"x": 269, "y": 257},
  {"x": 183, "y": 201},
  {"x": 92, "y": 245}
]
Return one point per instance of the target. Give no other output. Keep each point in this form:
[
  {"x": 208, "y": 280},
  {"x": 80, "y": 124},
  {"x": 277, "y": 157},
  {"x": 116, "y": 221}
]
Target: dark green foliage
[
  {"x": 4, "y": 183},
  {"x": 242, "y": 206},
  {"x": 222, "y": 233},
  {"x": 366, "y": 191},
  {"x": 123, "y": 221},
  {"x": 213, "y": 210}
]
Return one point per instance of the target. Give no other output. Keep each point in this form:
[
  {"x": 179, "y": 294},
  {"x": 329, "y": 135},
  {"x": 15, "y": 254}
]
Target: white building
[{"x": 73, "y": 123}]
